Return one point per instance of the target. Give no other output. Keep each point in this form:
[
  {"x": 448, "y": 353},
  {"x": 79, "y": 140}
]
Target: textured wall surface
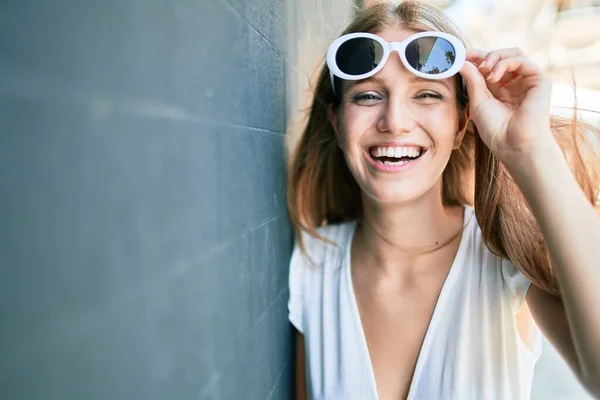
[{"x": 144, "y": 240}]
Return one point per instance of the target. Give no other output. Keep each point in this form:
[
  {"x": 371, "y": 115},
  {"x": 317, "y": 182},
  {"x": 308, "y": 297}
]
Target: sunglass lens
[
  {"x": 358, "y": 56},
  {"x": 430, "y": 55}
]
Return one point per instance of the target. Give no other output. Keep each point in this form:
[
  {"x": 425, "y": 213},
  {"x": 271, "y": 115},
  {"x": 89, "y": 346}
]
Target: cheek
[
  {"x": 442, "y": 133},
  {"x": 355, "y": 122},
  {"x": 442, "y": 126}
]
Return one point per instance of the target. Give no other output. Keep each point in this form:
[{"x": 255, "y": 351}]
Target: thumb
[{"x": 476, "y": 86}]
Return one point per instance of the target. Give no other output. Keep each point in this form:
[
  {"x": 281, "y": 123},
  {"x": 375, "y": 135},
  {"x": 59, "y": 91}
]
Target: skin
[{"x": 510, "y": 105}]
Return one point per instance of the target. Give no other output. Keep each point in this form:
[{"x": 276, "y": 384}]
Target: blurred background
[
  {"x": 144, "y": 241},
  {"x": 563, "y": 36}
]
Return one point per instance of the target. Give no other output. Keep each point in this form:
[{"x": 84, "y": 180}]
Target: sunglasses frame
[{"x": 389, "y": 47}]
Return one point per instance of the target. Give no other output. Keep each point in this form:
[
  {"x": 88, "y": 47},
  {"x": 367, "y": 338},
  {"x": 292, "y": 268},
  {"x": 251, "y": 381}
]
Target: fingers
[
  {"x": 476, "y": 56},
  {"x": 501, "y": 67},
  {"x": 519, "y": 65},
  {"x": 476, "y": 85},
  {"x": 493, "y": 57},
  {"x": 488, "y": 62}
]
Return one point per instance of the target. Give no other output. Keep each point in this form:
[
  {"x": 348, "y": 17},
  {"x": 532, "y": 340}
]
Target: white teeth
[
  {"x": 394, "y": 163},
  {"x": 396, "y": 152}
]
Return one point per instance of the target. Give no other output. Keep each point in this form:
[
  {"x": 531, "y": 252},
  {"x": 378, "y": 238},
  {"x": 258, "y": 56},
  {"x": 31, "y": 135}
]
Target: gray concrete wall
[{"x": 144, "y": 242}]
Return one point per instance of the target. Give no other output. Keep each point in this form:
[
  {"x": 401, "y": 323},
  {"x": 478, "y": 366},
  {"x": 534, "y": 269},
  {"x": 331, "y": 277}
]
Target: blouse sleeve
[
  {"x": 517, "y": 283},
  {"x": 296, "y": 289}
]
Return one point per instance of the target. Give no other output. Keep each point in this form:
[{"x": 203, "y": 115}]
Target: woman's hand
[{"x": 509, "y": 102}]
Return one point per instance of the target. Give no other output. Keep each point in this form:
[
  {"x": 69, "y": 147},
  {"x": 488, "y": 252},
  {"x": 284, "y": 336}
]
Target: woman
[{"x": 436, "y": 232}]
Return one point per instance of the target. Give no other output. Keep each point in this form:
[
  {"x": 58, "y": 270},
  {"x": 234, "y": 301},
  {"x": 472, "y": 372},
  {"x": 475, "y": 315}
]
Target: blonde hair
[{"x": 322, "y": 189}]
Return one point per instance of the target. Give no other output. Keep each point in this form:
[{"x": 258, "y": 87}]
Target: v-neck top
[{"x": 471, "y": 349}]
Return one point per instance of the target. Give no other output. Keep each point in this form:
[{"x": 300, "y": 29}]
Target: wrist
[
  {"x": 543, "y": 165},
  {"x": 540, "y": 156}
]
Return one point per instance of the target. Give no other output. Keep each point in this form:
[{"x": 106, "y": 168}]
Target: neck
[{"x": 400, "y": 235}]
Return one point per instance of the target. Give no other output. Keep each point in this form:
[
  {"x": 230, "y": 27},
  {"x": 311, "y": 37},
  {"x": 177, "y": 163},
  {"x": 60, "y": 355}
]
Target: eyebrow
[
  {"x": 419, "y": 79},
  {"x": 415, "y": 78},
  {"x": 373, "y": 79}
]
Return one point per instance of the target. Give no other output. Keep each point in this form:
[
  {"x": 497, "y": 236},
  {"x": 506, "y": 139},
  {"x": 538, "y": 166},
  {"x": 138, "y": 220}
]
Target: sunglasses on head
[{"x": 429, "y": 55}]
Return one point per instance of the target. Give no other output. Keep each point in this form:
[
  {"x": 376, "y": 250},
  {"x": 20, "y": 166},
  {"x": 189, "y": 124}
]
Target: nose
[{"x": 396, "y": 117}]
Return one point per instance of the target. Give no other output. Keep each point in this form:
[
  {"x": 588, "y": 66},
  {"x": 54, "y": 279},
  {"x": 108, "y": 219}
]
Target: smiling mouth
[{"x": 395, "y": 155}]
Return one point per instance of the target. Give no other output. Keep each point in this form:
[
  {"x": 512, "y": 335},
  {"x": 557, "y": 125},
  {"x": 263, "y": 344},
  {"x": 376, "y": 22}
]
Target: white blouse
[{"x": 471, "y": 350}]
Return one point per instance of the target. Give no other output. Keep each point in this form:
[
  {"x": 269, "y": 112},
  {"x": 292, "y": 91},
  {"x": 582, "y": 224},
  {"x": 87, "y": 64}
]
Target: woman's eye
[
  {"x": 429, "y": 95},
  {"x": 366, "y": 98}
]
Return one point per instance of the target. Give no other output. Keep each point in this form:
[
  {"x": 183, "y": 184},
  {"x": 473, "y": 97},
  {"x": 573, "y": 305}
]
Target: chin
[{"x": 396, "y": 193}]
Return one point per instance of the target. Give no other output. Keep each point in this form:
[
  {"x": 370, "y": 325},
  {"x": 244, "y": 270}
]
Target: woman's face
[{"x": 397, "y": 130}]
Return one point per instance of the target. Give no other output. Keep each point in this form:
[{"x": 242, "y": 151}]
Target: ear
[
  {"x": 463, "y": 123},
  {"x": 333, "y": 120}
]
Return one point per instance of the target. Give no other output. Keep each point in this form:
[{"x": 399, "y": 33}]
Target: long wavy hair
[{"x": 322, "y": 190}]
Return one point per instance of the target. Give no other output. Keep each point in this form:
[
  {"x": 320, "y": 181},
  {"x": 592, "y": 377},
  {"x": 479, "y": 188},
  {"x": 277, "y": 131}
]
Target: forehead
[{"x": 396, "y": 34}]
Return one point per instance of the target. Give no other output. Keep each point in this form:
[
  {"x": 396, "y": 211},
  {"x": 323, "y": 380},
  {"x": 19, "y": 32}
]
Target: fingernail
[{"x": 482, "y": 65}]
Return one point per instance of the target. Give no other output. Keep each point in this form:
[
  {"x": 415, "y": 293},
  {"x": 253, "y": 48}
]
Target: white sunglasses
[{"x": 430, "y": 55}]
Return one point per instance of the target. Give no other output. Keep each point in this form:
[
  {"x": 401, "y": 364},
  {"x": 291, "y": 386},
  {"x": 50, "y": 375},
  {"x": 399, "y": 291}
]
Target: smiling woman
[{"x": 426, "y": 192}]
